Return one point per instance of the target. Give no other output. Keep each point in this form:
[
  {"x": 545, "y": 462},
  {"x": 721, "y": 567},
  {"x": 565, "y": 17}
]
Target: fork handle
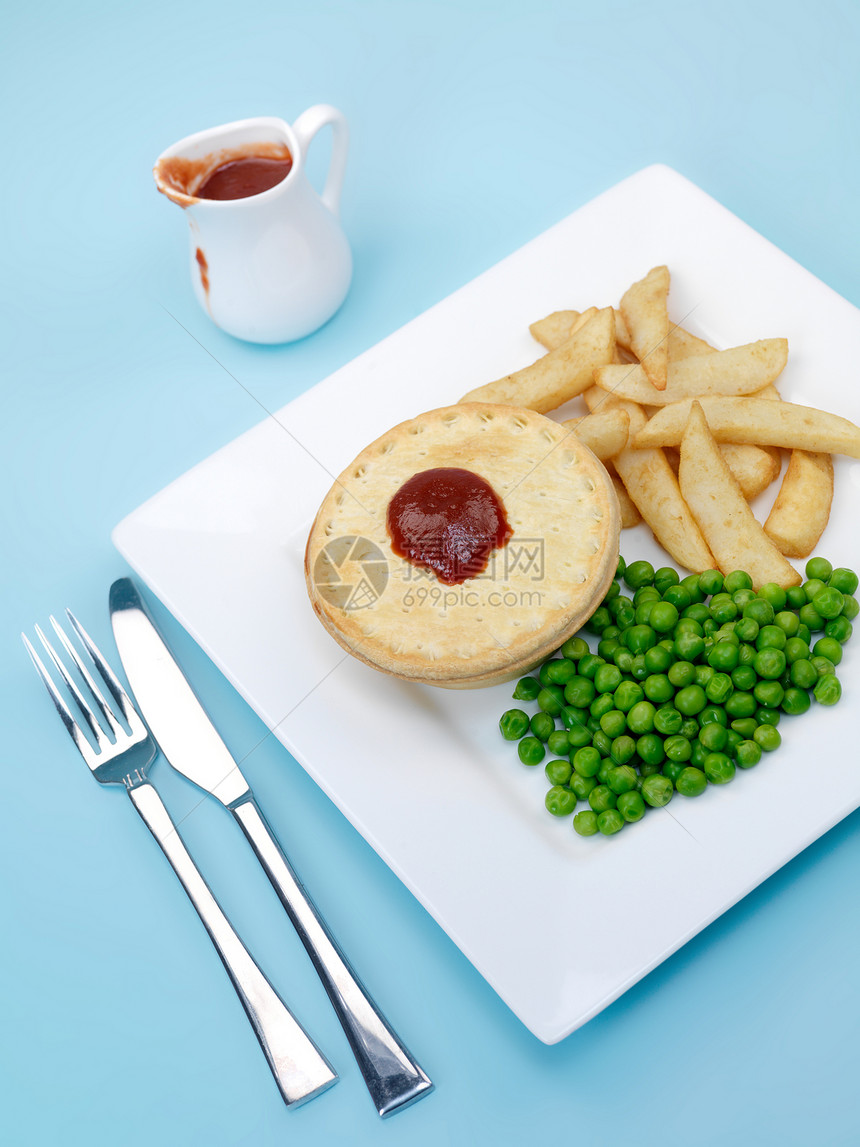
[
  {"x": 300, "y": 1070},
  {"x": 392, "y": 1076}
]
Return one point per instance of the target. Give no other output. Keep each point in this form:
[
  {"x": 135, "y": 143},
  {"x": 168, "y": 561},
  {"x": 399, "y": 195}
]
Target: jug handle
[{"x": 306, "y": 127}]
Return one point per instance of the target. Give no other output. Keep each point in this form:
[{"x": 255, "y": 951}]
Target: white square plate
[{"x": 559, "y": 926}]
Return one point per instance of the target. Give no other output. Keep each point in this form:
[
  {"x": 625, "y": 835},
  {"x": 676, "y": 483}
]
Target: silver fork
[{"x": 120, "y": 756}]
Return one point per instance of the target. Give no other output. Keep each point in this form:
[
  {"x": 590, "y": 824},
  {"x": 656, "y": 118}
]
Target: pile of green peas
[{"x": 689, "y": 682}]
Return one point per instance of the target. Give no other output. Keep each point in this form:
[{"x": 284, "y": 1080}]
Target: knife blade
[{"x": 191, "y": 743}]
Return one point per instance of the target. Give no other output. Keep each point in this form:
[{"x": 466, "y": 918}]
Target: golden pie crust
[{"x": 537, "y": 590}]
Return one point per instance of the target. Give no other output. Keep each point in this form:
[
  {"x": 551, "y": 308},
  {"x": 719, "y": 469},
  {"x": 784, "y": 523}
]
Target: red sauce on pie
[{"x": 447, "y": 520}]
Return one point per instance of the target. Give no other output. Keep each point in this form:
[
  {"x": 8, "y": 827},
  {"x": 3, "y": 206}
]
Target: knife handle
[
  {"x": 392, "y": 1076},
  {"x": 300, "y": 1070}
]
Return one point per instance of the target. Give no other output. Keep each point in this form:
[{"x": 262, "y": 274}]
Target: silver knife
[{"x": 190, "y": 742}]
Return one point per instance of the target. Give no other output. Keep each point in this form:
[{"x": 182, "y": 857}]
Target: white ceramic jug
[{"x": 274, "y": 266}]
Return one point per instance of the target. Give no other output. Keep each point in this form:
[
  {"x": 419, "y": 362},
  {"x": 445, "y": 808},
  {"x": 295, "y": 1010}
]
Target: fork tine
[
  {"x": 103, "y": 706},
  {"x": 62, "y": 708},
  {"x": 95, "y": 728},
  {"x": 122, "y": 699}
]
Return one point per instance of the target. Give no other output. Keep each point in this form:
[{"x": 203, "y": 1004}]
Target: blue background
[{"x": 474, "y": 127}]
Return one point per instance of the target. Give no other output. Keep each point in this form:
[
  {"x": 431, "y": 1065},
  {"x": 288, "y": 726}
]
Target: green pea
[
  {"x": 745, "y": 726},
  {"x": 574, "y": 648},
  {"x": 628, "y": 694},
  {"x": 740, "y": 704},
  {"x": 542, "y": 724},
  {"x": 560, "y": 801},
  {"x": 640, "y": 719},
  {"x": 585, "y": 822},
  {"x": 690, "y": 700},
  {"x": 795, "y": 597},
  {"x": 664, "y": 616},
  {"x": 691, "y": 782},
  {"x": 704, "y": 673},
  {"x": 613, "y": 591},
  {"x": 788, "y": 622},
  {"x": 691, "y": 583},
  {"x": 744, "y": 677},
  {"x": 531, "y": 751},
  {"x": 748, "y": 754},
  {"x": 665, "y": 577},
  {"x": 622, "y": 750},
  {"x": 658, "y": 659},
  {"x": 573, "y": 718},
  {"x": 679, "y": 596},
  {"x": 689, "y": 646},
  {"x": 698, "y": 752},
  {"x": 719, "y": 688},
  {"x": 667, "y": 721},
  {"x": 737, "y": 579},
  {"x": 810, "y": 617},
  {"x": 526, "y": 689},
  {"x": 811, "y": 587},
  {"x": 719, "y": 768},
  {"x": 607, "y": 646},
  {"x": 677, "y": 748},
  {"x": 606, "y": 767},
  {"x": 839, "y": 628},
  {"x": 602, "y": 743},
  {"x": 850, "y": 606},
  {"x": 771, "y": 637},
  {"x": 514, "y": 724},
  {"x": 767, "y": 738},
  {"x": 828, "y": 647},
  {"x": 582, "y": 786},
  {"x": 586, "y": 761},
  {"x": 714, "y": 737},
  {"x": 769, "y": 694},
  {"x": 822, "y": 665},
  {"x": 803, "y": 674},
  {"x": 733, "y": 739},
  {"x": 558, "y": 772},
  {"x": 681, "y": 673},
  {"x": 672, "y": 770},
  {"x": 845, "y": 580},
  {"x": 643, "y": 611},
  {"x": 622, "y": 779},
  {"x": 638, "y": 638},
  {"x": 657, "y": 790},
  {"x": 602, "y": 798},
  {"x": 746, "y": 654},
  {"x": 760, "y": 610},
  {"x": 588, "y": 665},
  {"x": 621, "y": 567},
  {"x": 610, "y": 821},
  {"x": 795, "y": 650},
  {"x": 713, "y": 713},
  {"x": 742, "y": 598},
  {"x": 631, "y": 806},
  {"x": 646, "y": 770},
  {"x": 723, "y": 609},
  {"x": 607, "y": 678},
  {"x": 613, "y": 723},
  {"x": 828, "y": 602},
  {"x": 723, "y": 656},
  {"x": 769, "y": 663},
  {"x": 827, "y": 689},
  {"x": 599, "y": 620},
  {"x": 579, "y": 692},
  {"x": 711, "y": 582},
  {"x": 601, "y": 704},
  {"x": 709, "y": 628},
  {"x": 746, "y": 629},
  {"x": 795, "y": 701},
  {"x": 767, "y": 716},
  {"x": 559, "y": 744},
  {"x": 658, "y": 688},
  {"x": 818, "y": 568},
  {"x": 551, "y": 700},
  {"x": 623, "y": 658},
  {"x": 638, "y": 574},
  {"x": 624, "y": 612},
  {"x": 650, "y": 749}
]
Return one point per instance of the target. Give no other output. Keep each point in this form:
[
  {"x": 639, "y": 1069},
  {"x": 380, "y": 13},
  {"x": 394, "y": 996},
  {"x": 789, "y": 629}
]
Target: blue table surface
[{"x": 474, "y": 127}]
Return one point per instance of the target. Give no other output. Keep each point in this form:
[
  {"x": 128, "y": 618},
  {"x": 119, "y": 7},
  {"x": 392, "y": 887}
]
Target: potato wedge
[
  {"x": 643, "y": 307},
  {"x": 716, "y": 501},
  {"x": 741, "y": 370},
  {"x": 558, "y": 327},
  {"x": 759, "y": 421},
  {"x": 605, "y": 432},
  {"x": 630, "y": 515},
  {"x": 754, "y": 467},
  {"x": 653, "y": 487},
  {"x": 681, "y": 343},
  {"x": 560, "y": 374},
  {"x": 802, "y": 506}
]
